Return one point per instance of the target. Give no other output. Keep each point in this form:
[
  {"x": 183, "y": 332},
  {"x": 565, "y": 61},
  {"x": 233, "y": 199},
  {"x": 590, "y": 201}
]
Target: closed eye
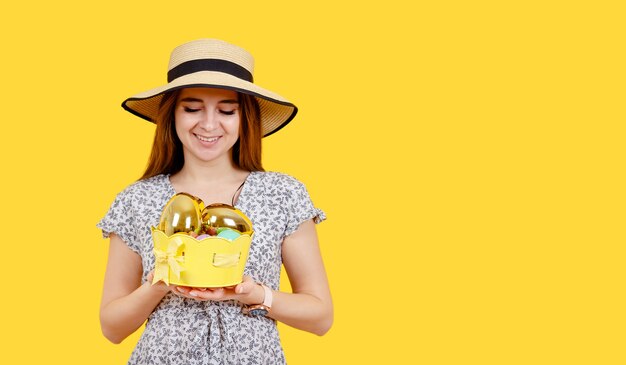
[
  {"x": 228, "y": 112},
  {"x": 190, "y": 110}
]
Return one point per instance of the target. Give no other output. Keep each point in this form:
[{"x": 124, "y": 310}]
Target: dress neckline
[{"x": 242, "y": 189}]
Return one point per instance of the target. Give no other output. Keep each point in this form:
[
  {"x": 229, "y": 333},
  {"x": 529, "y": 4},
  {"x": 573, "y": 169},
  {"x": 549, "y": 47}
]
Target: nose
[{"x": 208, "y": 121}]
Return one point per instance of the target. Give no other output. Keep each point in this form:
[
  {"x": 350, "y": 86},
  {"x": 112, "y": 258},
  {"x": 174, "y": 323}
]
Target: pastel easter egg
[
  {"x": 202, "y": 236},
  {"x": 229, "y": 234}
]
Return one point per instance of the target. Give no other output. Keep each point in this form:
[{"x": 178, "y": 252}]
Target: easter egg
[
  {"x": 202, "y": 236},
  {"x": 229, "y": 234},
  {"x": 182, "y": 213},
  {"x": 226, "y": 216}
]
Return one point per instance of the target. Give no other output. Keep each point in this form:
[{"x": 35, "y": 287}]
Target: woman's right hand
[{"x": 162, "y": 287}]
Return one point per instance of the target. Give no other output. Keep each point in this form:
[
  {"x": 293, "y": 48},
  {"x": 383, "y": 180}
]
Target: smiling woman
[
  {"x": 210, "y": 119},
  {"x": 167, "y": 150},
  {"x": 207, "y": 123}
]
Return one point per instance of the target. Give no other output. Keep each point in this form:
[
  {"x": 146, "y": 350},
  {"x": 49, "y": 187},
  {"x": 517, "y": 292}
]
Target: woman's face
[{"x": 207, "y": 122}]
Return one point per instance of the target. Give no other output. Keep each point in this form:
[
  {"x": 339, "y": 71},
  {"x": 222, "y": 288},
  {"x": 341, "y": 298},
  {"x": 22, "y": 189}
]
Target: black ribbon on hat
[{"x": 209, "y": 64}]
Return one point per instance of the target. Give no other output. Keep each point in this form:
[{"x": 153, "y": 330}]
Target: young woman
[{"x": 210, "y": 119}]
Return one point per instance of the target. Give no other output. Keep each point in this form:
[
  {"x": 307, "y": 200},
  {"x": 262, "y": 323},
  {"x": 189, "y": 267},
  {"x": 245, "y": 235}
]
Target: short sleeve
[
  {"x": 301, "y": 208},
  {"x": 120, "y": 219}
]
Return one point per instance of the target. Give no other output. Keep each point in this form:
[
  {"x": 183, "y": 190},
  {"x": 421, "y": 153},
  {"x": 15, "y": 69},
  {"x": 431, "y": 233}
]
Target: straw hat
[{"x": 214, "y": 63}]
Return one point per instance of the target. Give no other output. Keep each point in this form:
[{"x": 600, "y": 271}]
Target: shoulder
[
  {"x": 144, "y": 185},
  {"x": 280, "y": 187},
  {"x": 141, "y": 189},
  {"x": 277, "y": 181}
]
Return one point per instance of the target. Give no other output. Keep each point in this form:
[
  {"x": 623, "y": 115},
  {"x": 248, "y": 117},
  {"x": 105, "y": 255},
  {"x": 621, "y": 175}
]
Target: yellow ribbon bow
[{"x": 168, "y": 260}]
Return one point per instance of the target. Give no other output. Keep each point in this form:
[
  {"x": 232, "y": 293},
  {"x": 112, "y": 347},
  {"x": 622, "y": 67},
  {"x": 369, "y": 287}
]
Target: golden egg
[
  {"x": 182, "y": 213},
  {"x": 223, "y": 215}
]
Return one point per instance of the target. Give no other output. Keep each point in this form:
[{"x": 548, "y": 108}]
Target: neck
[
  {"x": 200, "y": 172},
  {"x": 212, "y": 181}
]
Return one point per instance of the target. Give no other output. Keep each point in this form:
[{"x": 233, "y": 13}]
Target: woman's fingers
[
  {"x": 184, "y": 291},
  {"x": 246, "y": 286},
  {"x": 237, "y": 292},
  {"x": 217, "y": 294}
]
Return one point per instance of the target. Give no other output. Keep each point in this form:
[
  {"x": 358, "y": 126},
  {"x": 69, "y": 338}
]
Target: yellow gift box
[{"x": 207, "y": 263}]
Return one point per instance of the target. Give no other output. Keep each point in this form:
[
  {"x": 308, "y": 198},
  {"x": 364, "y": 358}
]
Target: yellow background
[{"x": 469, "y": 156}]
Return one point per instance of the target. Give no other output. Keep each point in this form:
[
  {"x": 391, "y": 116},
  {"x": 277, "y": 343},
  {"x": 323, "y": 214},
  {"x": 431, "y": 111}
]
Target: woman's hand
[
  {"x": 246, "y": 292},
  {"x": 160, "y": 285}
]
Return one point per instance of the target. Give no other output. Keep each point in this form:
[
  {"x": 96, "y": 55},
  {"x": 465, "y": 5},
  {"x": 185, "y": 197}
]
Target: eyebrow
[{"x": 196, "y": 100}]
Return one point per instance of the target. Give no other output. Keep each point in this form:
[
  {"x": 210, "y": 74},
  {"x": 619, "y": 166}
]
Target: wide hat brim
[{"x": 276, "y": 111}]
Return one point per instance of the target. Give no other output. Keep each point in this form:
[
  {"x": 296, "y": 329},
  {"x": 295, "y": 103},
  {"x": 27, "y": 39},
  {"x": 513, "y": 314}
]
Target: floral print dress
[{"x": 186, "y": 331}]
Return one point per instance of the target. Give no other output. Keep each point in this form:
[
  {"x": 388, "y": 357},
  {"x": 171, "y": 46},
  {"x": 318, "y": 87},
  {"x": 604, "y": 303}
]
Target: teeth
[{"x": 204, "y": 139}]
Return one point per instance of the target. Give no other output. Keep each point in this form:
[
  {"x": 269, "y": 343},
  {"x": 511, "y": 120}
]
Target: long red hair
[{"x": 167, "y": 156}]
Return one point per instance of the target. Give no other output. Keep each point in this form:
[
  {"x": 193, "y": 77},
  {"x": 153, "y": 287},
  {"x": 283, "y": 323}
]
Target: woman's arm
[
  {"x": 309, "y": 307},
  {"x": 126, "y": 304}
]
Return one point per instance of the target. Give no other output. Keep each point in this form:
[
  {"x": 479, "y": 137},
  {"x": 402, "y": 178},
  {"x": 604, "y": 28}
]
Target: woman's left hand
[{"x": 246, "y": 292}]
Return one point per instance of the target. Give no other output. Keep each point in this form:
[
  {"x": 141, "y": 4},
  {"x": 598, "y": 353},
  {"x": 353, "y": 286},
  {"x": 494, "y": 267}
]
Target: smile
[{"x": 207, "y": 139}]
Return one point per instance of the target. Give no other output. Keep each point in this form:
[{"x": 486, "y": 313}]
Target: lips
[{"x": 206, "y": 139}]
